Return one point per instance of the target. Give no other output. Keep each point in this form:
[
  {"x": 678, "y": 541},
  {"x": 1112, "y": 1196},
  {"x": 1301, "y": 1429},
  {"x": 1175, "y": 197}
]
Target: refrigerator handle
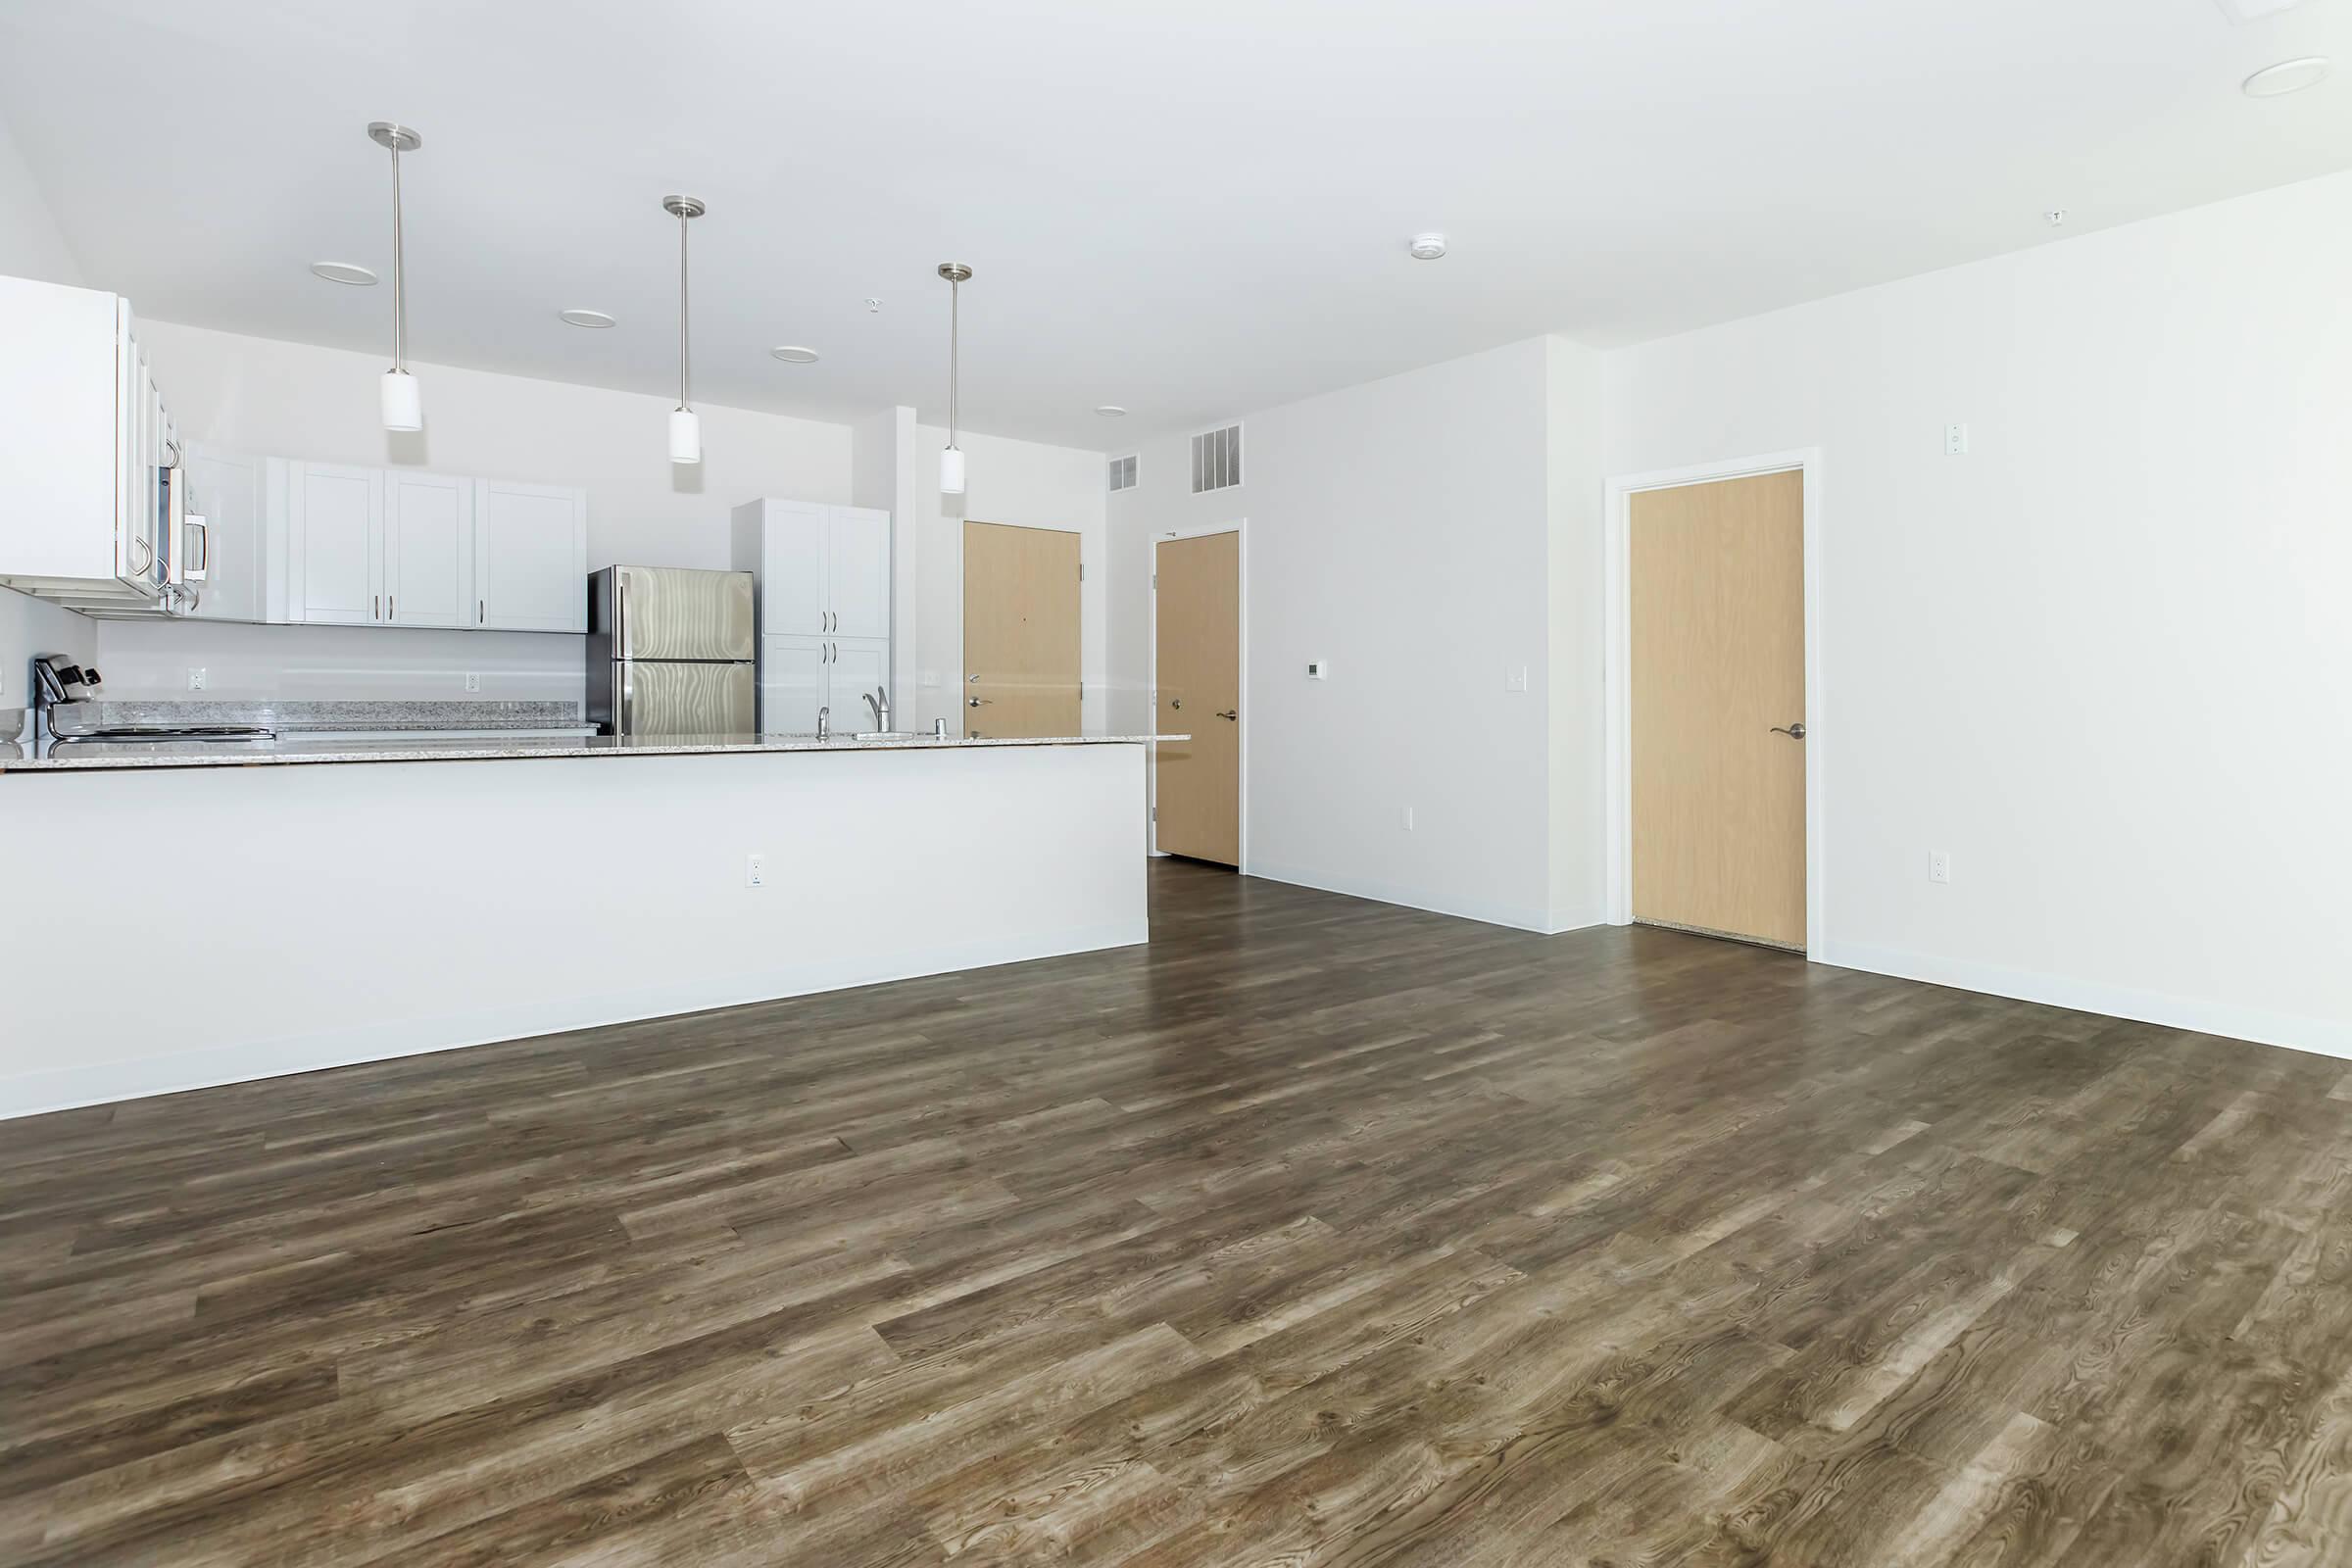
[
  {"x": 620, "y": 616},
  {"x": 623, "y": 709}
]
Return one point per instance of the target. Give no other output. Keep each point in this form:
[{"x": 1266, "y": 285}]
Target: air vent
[
  {"x": 1217, "y": 459},
  {"x": 1122, "y": 474}
]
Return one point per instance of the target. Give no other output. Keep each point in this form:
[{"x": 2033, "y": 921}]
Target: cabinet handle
[
  {"x": 481, "y": 611},
  {"x": 389, "y": 612},
  {"x": 374, "y": 602}
]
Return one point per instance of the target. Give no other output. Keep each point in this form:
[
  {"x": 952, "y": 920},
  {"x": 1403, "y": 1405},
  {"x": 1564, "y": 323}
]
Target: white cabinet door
[
  {"x": 792, "y": 683},
  {"x": 853, "y": 669},
  {"x": 334, "y": 543},
  {"x": 428, "y": 549},
  {"x": 224, "y": 488},
  {"x": 531, "y": 557},
  {"x": 858, "y": 571},
  {"x": 792, "y": 571}
]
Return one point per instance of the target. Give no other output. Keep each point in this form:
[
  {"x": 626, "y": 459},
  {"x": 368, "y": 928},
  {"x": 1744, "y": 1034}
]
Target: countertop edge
[{"x": 111, "y": 760}]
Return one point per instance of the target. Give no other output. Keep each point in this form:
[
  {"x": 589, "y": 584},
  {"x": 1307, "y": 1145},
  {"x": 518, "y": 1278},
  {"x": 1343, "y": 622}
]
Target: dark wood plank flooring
[{"x": 1318, "y": 1232}]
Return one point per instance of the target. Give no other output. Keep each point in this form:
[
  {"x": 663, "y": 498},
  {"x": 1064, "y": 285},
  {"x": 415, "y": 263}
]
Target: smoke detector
[{"x": 1427, "y": 247}]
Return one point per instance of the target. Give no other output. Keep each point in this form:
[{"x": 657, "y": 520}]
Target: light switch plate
[{"x": 1318, "y": 669}]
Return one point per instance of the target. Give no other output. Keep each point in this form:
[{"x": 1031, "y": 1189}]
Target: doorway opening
[
  {"x": 1714, "y": 693},
  {"x": 1196, "y": 680}
]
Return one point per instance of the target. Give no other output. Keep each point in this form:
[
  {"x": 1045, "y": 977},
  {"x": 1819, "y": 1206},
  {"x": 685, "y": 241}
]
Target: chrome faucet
[
  {"x": 824, "y": 723},
  {"x": 879, "y": 700}
]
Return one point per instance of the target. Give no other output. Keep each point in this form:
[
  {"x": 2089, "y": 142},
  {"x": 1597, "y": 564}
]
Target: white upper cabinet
[
  {"x": 531, "y": 557},
  {"x": 428, "y": 549},
  {"x": 85, "y": 509},
  {"x": 824, "y": 571},
  {"x": 226, "y": 489},
  {"x": 785, "y": 543},
  {"x": 334, "y": 535},
  {"x": 378, "y": 547},
  {"x": 857, "y": 570}
]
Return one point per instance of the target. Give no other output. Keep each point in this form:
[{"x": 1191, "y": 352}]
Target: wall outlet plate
[
  {"x": 755, "y": 870},
  {"x": 1939, "y": 866},
  {"x": 473, "y": 681},
  {"x": 1955, "y": 440},
  {"x": 195, "y": 678},
  {"x": 1514, "y": 679}
]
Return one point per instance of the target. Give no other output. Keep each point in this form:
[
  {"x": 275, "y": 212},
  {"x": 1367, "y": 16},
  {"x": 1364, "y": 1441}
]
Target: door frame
[
  {"x": 1240, "y": 526},
  {"x": 1617, "y": 673}
]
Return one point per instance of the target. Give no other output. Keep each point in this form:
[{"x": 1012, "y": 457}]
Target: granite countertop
[
  {"x": 293, "y": 750},
  {"x": 294, "y": 717}
]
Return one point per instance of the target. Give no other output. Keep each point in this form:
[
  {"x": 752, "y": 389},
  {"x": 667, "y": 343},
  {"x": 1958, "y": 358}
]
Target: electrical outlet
[
  {"x": 755, "y": 870},
  {"x": 195, "y": 678},
  {"x": 1408, "y": 819},
  {"x": 1939, "y": 866},
  {"x": 1955, "y": 440},
  {"x": 473, "y": 682},
  {"x": 1514, "y": 679}
]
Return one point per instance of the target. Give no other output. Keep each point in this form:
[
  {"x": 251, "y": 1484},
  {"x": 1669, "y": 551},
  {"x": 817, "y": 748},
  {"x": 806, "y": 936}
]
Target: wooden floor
[{"x": 1317, "y": 1232}]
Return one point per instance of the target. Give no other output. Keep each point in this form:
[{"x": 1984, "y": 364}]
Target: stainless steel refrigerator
[{"x": 671, "y": 652}]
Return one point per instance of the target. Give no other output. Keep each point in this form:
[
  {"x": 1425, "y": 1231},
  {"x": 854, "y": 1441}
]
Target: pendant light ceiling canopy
[
  {"x": 403, "y": 405},
  {"x": 685, "y": 425},
  {"x": 951, "y": 461}
]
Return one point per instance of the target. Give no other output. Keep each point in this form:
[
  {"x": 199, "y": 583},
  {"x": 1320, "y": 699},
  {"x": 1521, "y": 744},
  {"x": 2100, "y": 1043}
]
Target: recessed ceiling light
[
  {"x": 2288, "y": 76},
  {"x": 1111, "y": 411},
  {"x": 578, "y": 317},
  {"x": 794, "y": 354},
  {"x": 344, "y": 272},
  {"x": 1427, "y": 247}
]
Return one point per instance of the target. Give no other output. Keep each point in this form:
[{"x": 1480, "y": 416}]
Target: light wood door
[
  {"x": 1020, "y": 631},
  {"x": 1198, "y": 638},
  {"x": 1718, "y": 599},
  {"x": 428, "y": 549},
  {"x": 531, "y": 557}
]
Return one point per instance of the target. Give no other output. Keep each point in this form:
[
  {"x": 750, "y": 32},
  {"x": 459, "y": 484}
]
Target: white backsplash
[{"x": 151, "y": 660}]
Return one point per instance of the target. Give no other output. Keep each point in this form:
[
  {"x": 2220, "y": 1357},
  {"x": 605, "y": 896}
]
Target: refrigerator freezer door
[
  {"x": 672, "y": 613},
  {"x": 652, "y": 698}
]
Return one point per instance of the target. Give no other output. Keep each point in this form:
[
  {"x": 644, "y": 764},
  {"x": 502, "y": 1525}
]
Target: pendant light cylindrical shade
[
  {"x": 685, "y": 425},
  {"x": 401, "y": 402},
  {"x": 951, "y": 461}
]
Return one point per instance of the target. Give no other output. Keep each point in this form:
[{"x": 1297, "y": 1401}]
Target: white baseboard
[
  {"x": 102, "y": 1083},
  {"x": 1536, "y": 920},
  {"x": 2323, "y": 1037}
]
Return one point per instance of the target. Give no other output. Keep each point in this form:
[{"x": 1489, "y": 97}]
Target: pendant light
[
  {"x": 685, "y": 425},
  {"x": 951, "y": 461},
  {"x": 404, "y": 409}
]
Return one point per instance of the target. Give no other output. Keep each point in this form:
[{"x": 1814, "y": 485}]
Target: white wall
[
  {"x": 29, "y": 626},
  {"x": 151, "y": 658},
  {"x": 31, "y": 245},
  {"x": 1401, "y": 530},
  {"x": 2105, "y": 659},
  {"x": 1029, "y": 484},
  {"x": 1576, "y": 432}
]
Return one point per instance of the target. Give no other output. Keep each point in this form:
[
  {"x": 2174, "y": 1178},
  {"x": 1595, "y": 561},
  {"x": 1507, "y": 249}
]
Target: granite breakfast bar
[{"x": 206, "y": 916}]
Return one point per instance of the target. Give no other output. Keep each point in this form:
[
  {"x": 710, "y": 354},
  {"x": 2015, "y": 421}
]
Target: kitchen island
[{"x": 184, "y": 916}]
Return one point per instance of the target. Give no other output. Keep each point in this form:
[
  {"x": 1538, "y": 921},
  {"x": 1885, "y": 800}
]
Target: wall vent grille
[
  {"x": 1218, "y": 459},
  {"x": 1122, "y": 474}
]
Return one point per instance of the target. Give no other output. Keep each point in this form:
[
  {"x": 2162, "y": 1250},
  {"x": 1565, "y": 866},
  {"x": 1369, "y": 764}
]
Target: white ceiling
[{"x": 1193, "y": 210}]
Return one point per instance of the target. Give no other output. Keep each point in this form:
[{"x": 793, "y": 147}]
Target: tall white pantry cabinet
[{"x": 823, "y": 595}]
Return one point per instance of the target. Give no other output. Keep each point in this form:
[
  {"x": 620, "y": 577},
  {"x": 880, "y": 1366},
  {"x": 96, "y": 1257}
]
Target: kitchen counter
[{"x": 294, "y": 749}]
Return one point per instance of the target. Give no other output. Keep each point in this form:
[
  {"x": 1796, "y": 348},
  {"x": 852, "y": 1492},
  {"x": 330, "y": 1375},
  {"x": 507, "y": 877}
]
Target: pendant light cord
[
  {"x": 683, "y": 363},
  {"x": 954, "y": 371},
  {"x": 400, "y": 277}
]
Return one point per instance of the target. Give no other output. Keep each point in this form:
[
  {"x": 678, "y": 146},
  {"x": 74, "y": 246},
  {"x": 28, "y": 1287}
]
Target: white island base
[{"x": 172, "y": 928}]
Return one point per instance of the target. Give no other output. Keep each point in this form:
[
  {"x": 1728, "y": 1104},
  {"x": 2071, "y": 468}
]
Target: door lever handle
[
  {"x": 1233, "y": 714},
  {"x": 1795, "y": 731}
]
